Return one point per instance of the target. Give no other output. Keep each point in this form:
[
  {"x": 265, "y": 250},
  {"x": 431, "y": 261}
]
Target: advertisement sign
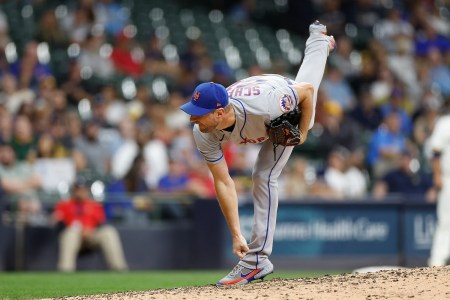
[
  {"x": 331, "y": 229},
  {"x": 419, "y": 223}
]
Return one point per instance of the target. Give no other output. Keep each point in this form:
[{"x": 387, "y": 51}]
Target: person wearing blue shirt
[
  {"x": 395, "y": 105},
  {"x": 386, "y": 145}
]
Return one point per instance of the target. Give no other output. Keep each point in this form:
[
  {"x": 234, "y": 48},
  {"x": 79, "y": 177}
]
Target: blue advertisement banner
[
  {"x": 419, "y": 223},
  {"x": 315, "y": 230}
]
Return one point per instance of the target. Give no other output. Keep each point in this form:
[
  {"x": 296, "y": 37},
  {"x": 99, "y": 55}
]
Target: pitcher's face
[{"x": 207, "y": 123}]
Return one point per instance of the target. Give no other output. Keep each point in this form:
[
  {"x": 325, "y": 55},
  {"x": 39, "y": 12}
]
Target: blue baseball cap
[{"x": 206, "y": 98}]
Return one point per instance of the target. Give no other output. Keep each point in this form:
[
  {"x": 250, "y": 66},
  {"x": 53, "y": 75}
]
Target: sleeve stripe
[
  {"x": 295, "y": 95},
  {"x": 214, "y": 160}
]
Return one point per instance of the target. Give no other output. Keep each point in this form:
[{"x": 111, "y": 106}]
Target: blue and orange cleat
[
  {"x": 242, "y": 275},
  {"x": 317, "y": 28}
]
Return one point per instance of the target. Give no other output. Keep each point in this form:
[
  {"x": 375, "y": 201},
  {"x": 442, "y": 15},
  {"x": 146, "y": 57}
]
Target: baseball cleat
[
  {"x": 242, "y": 275},
  {"x": 317, "y": 28}
]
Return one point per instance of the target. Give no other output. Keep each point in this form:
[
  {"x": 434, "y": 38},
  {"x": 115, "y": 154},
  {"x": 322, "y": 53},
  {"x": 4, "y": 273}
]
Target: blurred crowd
[{"x": 382, "y": 91}]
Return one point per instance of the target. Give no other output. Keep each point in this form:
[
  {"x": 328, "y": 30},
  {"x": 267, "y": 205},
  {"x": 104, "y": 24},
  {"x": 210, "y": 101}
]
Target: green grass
[{"x": 49, "y": 284}]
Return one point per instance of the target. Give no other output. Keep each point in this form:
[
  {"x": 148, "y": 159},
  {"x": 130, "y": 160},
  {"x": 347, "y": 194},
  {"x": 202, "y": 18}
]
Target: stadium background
[{"x": 124, "y": 67}]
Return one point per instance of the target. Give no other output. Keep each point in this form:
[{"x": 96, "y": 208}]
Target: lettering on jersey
[
  {"x": 244, "y": 90},
  {"x": 253, "y": 141},
  {"x": 286, "y": 103}
]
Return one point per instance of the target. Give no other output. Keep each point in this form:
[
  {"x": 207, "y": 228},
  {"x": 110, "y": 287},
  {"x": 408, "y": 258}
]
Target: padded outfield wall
[{"x": 310, "y": 234}]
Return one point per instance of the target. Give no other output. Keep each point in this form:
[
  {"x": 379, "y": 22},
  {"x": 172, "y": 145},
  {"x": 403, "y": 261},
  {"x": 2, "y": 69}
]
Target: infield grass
[{"x": 50, "y": 284}]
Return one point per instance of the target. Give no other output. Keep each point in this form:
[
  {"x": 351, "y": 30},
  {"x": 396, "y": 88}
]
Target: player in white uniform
[
  {"x": 240, "y": 114},
  {"x": 440, "y": 144}
]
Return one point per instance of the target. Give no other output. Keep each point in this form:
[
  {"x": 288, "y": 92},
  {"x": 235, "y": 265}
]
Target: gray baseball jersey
[{"x": 257, "y": 100}]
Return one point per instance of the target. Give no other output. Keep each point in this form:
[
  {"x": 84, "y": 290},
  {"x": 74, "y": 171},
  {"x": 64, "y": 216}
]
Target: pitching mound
[{"x": 419, "y": 283}]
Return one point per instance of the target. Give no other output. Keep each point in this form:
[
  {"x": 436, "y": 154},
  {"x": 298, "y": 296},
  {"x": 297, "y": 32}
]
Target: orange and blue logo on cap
[
  {"x": 286, "y": 103},
  {"x": 206, "y": 98}
]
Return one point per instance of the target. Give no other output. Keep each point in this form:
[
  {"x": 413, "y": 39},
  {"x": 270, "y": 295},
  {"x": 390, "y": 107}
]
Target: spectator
[
  {"x": 48, "y": 147},
  {"x": 241, "y": 11},
  {"x": 83, "y": 221},
  {"x": 344, "y": 179},
  {"x": 54, "y": 163},
  {"x": 392, "y": 28},
  {"x": 366, "y": 113},
  {"x": 155, "y": 155},
  {"x": 176, "y": 183},
  {"x": 386, "y": 145},
  {"x": 338, "y": 130},
  {"x": 115, "y": 109},
  {"x": 4, "y": 28},
  {"x": 74, "y": 127},
  {"x": 396, "y": 105},
  {"x": 132, "y": 182},
  {"x": 223, "y": 74},
  {"x": 92, "y": 57},
  {"x": 95, "y": 153},
  {"x": 401, "y": 62},
  {"x": 124, "y": 194},
  {"x": 368, "y": 73},
  {"x": 175, "y": 118},
  {"x": 49, "y": 31},
  {"x": 23, "y": 140},
  {"x": 156, "y": 63},
  {"x": 364, "y": 14},
  {"x": 338, "y": 88},
  {"x": 407, "y": 181},
  {"x": 424, "y": 123},
  {"x": 429, "y": 38},
  {"x": 127, "y": 59},
  {"x": 295, "y": 182},
  {"x": 30, "y": 69},
  {"x": 342, "y": 59},
  {"x": 128, "y": 150},
  {"x": 439, "y": 71},
  {"x": 143, "y": 98},
  {"x": 78, "y": 23},
  {"x": 381, "y": 88},
  {"x": 201, "y": 183},
  {"x": 176, "y": 180},
  {"x": 75, "y": 87},
  {"x": 333, "y": 15},
  {"x": 11, "y": 96},
  {"x": 112, "y": 15},
  {"x": 6, "y": 125},
  {"x": 23, "y": 198}
]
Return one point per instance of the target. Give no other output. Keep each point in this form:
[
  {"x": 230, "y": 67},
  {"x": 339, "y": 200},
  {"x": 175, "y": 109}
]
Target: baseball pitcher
[{"x": 269, "y": 109}]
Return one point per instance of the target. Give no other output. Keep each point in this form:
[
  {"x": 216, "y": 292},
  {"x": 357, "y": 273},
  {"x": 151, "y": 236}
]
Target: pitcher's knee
[
  {"x": 259, "y": 177},
  {"x": 264, "y": 179}
]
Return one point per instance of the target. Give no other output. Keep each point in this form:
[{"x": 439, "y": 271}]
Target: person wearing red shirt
[
  {"x": 123, "y": 58},
  {"x": 84, "y": 225}
]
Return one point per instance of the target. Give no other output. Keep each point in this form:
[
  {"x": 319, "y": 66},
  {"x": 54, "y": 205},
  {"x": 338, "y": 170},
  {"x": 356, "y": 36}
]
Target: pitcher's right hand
[{"x": 240, "y": 247}]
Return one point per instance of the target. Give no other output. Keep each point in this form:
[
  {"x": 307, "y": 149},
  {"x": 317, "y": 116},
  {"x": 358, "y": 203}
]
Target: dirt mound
[{"x": 418, "y": 283}]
